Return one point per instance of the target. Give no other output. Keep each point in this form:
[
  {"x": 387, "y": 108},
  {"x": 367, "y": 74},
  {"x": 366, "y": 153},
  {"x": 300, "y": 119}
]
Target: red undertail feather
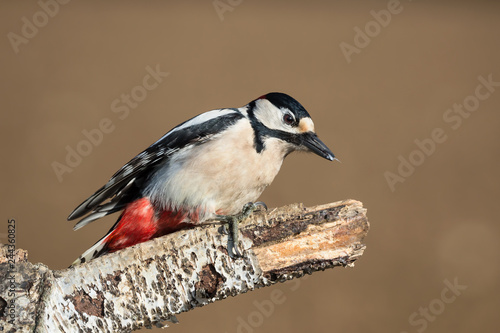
[
  {"x": 135, "y": 225},
  {"x": 139, "y": 222}
]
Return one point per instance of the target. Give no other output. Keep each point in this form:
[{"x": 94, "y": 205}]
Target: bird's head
[{"x": 277, "y": 115}]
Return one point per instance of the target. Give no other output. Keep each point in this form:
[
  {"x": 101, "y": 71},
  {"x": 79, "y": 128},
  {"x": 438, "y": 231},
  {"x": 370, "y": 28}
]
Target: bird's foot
[{"x": 232, "y": 223}]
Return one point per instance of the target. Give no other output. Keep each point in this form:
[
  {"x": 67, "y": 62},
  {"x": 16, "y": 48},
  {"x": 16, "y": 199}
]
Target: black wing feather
[
  {"x": 124, "y": 186},
  {"x": 130, "y": 171}
]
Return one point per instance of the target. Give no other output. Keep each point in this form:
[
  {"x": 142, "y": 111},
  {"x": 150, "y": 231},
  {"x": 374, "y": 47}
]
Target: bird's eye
[{"x": 288, "y": 119}]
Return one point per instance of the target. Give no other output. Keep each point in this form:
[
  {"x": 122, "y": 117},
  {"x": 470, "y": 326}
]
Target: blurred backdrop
[{"x": 406, "y": 94}]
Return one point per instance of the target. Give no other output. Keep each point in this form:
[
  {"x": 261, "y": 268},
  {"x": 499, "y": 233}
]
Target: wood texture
[{"x": 146, "y": 285}]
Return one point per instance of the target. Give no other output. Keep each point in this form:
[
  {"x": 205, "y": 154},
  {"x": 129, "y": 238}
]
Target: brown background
[{"x": 441, "y": 223}]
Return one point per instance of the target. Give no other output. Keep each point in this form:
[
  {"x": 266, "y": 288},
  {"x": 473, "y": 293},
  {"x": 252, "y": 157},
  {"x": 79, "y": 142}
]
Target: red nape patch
[{"x": 262, "y": 97}]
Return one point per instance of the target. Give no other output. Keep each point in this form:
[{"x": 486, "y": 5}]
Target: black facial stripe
[
  {"x": 262, "y": 131},
  {"x": 285, "y": 136},
  {"x": 257, "y": 126}
]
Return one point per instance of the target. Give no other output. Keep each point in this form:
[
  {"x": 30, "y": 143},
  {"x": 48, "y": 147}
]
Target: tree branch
[{"x": 147, "y": 284}]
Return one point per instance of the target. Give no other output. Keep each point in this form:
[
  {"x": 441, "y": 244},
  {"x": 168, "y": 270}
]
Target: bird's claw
[
  {"x": 260, "y": 204},
  {"x": 232, "y": 223},
  {"x": 231, "y": 229},
  {"x": 233, "y": 250},
  {"x": 223, "y": 229}
]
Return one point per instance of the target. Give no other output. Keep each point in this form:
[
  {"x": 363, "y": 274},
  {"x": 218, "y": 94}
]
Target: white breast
[{"x": 220, "y": 175}]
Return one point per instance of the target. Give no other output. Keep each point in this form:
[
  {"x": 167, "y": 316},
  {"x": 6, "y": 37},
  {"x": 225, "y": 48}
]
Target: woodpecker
[{"x": 208, "y": 167}]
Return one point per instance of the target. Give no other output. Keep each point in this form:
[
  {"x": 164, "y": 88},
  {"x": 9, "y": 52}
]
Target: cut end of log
[{"x": 302, "y": 240}]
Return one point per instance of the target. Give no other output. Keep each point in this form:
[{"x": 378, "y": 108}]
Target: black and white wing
[{"x": 126, "y": 184}]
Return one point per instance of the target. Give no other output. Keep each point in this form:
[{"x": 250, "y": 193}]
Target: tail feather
[
  {"x": 92, "y": 217},
  {"x": 95, "y": 251},
  {"x": 94, "y": 203},
  {"x": 102, "y": 211}
]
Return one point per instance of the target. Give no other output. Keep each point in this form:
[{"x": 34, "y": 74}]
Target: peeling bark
[{"x": 148, "y": 284}]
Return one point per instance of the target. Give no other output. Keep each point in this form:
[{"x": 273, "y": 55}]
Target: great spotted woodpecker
[{"x": 207, "y": 167}]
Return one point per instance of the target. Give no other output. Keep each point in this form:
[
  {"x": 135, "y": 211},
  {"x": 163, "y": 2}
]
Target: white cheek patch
[
  {"x": 306, "y": 125},
  {"x": 267, "y": 115}
]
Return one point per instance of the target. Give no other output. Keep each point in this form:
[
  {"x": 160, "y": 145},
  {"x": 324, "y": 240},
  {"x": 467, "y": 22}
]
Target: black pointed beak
[{"x": 315, "y": 145}]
